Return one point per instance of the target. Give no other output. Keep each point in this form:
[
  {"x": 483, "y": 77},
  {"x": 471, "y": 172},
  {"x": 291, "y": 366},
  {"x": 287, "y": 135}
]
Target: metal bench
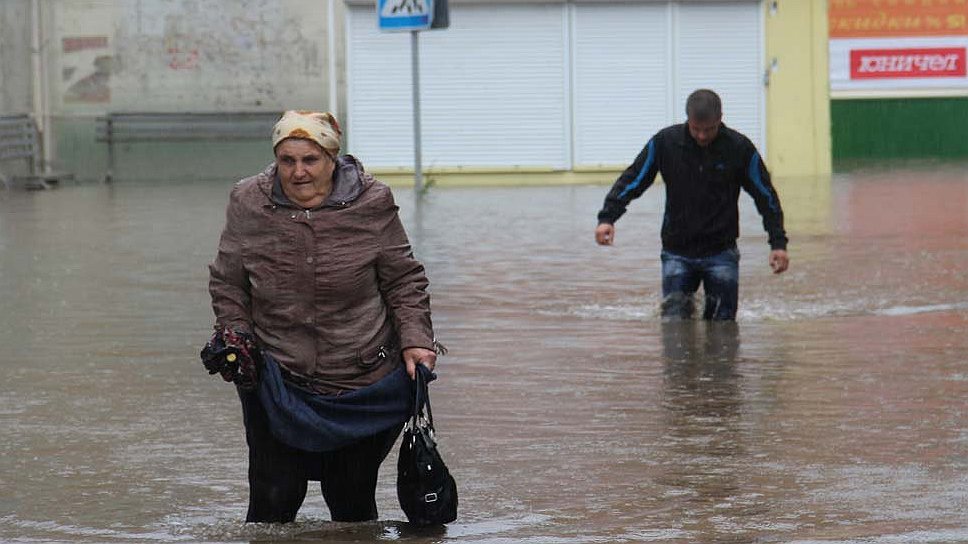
[
  {"x": 147, "y": 127},
  {"x": 18, "y": 142}
]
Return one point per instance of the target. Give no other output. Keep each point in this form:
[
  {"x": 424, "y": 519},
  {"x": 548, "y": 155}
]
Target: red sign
[
  {"x": 81, "y": 43},
  {"x": 898, "y": 63}
]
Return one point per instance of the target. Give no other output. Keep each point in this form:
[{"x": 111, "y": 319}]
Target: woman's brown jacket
[{"x": 332, "y": 293}]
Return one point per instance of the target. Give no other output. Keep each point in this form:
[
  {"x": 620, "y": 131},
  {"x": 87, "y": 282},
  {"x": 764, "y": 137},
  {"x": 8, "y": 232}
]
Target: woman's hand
[{"x": 422, "y": 356}]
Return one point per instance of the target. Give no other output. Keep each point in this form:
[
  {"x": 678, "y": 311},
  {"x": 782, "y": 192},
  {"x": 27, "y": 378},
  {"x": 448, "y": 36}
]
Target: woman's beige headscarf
[{"x": 318, "y": 127}]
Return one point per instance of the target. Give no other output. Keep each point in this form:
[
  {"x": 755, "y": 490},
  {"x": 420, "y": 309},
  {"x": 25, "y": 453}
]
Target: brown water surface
[{"x": 834, "y": 410}]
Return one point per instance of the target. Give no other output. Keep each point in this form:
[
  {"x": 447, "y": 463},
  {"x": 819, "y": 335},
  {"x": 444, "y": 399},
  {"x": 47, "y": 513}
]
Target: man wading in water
[{"x": 704, "y": 164}]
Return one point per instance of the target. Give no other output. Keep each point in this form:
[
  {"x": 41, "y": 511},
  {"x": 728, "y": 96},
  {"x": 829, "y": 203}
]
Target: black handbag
[{"x": 427, "y": 491}]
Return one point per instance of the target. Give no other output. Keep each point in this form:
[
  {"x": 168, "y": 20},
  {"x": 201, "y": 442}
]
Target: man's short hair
[{"x": 704, "y": 105}]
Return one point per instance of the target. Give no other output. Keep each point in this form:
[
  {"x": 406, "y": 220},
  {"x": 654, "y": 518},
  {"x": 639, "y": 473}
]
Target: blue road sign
[{"x": 396, "y": 15}]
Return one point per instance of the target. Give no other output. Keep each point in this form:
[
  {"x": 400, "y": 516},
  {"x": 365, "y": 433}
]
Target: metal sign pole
[
  {"x": 415, "y": 68},
  {"x": 42, "y": 156},
  {"x": 413, "y": 15},
  {"x": 331, "y": 55}
]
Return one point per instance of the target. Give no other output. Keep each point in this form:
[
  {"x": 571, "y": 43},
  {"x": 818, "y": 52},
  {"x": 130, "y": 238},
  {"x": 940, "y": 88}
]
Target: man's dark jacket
[{"x": 702, "y": 190}]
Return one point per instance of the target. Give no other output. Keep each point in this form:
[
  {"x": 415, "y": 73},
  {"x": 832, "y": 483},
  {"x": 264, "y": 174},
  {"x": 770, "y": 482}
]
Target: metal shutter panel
[
  {"x": 622, "y": 92},
  {"x": 719, "y": 45},
  {"x": 492, "y": 88},
  {"x": 378, "y": 92}
]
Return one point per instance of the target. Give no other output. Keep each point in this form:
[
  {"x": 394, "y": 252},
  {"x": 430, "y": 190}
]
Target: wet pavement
[{"x": 834, "y": 410}]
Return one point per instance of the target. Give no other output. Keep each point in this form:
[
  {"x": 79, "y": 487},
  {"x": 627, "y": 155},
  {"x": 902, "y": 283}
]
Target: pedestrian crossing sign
[{"x": 405, "y": 14}]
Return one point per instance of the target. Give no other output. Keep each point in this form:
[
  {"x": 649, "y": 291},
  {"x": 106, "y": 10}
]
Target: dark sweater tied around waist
[{"x": 309, "y": 421}]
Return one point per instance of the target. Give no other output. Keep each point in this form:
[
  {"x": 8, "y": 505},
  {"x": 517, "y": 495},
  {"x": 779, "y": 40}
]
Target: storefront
[
  {"x": 552, "y": 87},
  {"x": 898, "y": 79},
  {"x": 565, "y": 91}
]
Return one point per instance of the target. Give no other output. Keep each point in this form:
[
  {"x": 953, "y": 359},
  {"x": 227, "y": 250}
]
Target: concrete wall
[
  {"x": 15, "y": 61},
  {"x": 177, "y": 56},
  {"x": 798, "y": 96},
  {"x": 174, "y": 55}
]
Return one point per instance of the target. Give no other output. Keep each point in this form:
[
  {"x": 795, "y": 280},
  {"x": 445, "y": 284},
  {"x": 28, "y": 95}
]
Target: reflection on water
[
  {"x": 833, "y": 411},
  {"x": 703, "y": 404}
]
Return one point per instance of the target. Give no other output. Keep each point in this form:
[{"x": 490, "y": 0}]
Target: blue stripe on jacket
[
  {"x": 649, "y": 159},
  {"x": 757, "y": 177}
]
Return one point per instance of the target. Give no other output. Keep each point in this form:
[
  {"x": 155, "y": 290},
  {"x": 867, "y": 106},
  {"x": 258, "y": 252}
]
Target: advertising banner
[{"x": 898, "y": 47}]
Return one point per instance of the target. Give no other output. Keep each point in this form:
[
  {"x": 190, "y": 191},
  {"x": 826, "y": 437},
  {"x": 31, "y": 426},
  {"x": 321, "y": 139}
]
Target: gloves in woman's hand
[{"x": 234, "y": 355}]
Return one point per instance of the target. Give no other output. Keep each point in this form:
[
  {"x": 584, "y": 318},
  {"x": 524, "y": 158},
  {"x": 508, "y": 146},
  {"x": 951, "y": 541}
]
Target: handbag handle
[{"x": 421, "y": 398}]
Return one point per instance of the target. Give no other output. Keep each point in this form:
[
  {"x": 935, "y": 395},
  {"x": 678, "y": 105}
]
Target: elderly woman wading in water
[{"x": 323, "y": 310}]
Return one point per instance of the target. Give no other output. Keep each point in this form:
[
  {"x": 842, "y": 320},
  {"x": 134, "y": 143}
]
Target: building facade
[
  {"x": 515, "y": 91},
  {"x": 571, "y": 90},
  {"x": 898, "y": 79}
]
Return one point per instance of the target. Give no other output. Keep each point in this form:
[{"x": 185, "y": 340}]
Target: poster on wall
[
  {"x": 84, "y": 55},
  {"x": 175, "y": 55},
  {"x": 898, "y": 47},
  {"x": 248, "y": 55},
  {"x": 86, "y": 69}
]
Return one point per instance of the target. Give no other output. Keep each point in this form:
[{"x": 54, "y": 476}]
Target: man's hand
[
  {"x": 419, "y": 356},
  {"x": 779, "y": 261},
  {"x": 605, "y": 234}
]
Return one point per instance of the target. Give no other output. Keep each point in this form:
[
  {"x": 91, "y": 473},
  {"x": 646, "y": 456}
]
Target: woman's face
[{"x": 305, "y": 171}]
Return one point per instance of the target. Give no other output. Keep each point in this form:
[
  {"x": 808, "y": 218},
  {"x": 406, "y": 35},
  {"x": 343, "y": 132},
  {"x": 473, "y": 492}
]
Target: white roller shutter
[
  {"x": 493, "y": 89},
  {"x": 378, "y": 92},
  {"x": 635, "y": 64},
  {"x": 622, "y": 92},
  {"x": 719, "y": 45},
  {"x": 551, "y": 85}
]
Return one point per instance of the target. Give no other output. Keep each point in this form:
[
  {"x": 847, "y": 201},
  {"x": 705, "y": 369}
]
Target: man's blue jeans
[{"x": 719, "y": 276}]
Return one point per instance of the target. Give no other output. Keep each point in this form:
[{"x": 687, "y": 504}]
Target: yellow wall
[{"x": 798, "y": 97}]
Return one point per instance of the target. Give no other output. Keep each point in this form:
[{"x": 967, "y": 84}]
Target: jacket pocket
[{"x": 269, "y": 263}]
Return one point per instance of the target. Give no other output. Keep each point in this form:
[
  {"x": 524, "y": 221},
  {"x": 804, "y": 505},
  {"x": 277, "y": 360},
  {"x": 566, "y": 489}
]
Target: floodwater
[{"x": 834, "y": 410}]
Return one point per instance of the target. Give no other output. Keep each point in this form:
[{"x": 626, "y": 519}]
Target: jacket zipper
[{"x": 340, "y": 204}]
